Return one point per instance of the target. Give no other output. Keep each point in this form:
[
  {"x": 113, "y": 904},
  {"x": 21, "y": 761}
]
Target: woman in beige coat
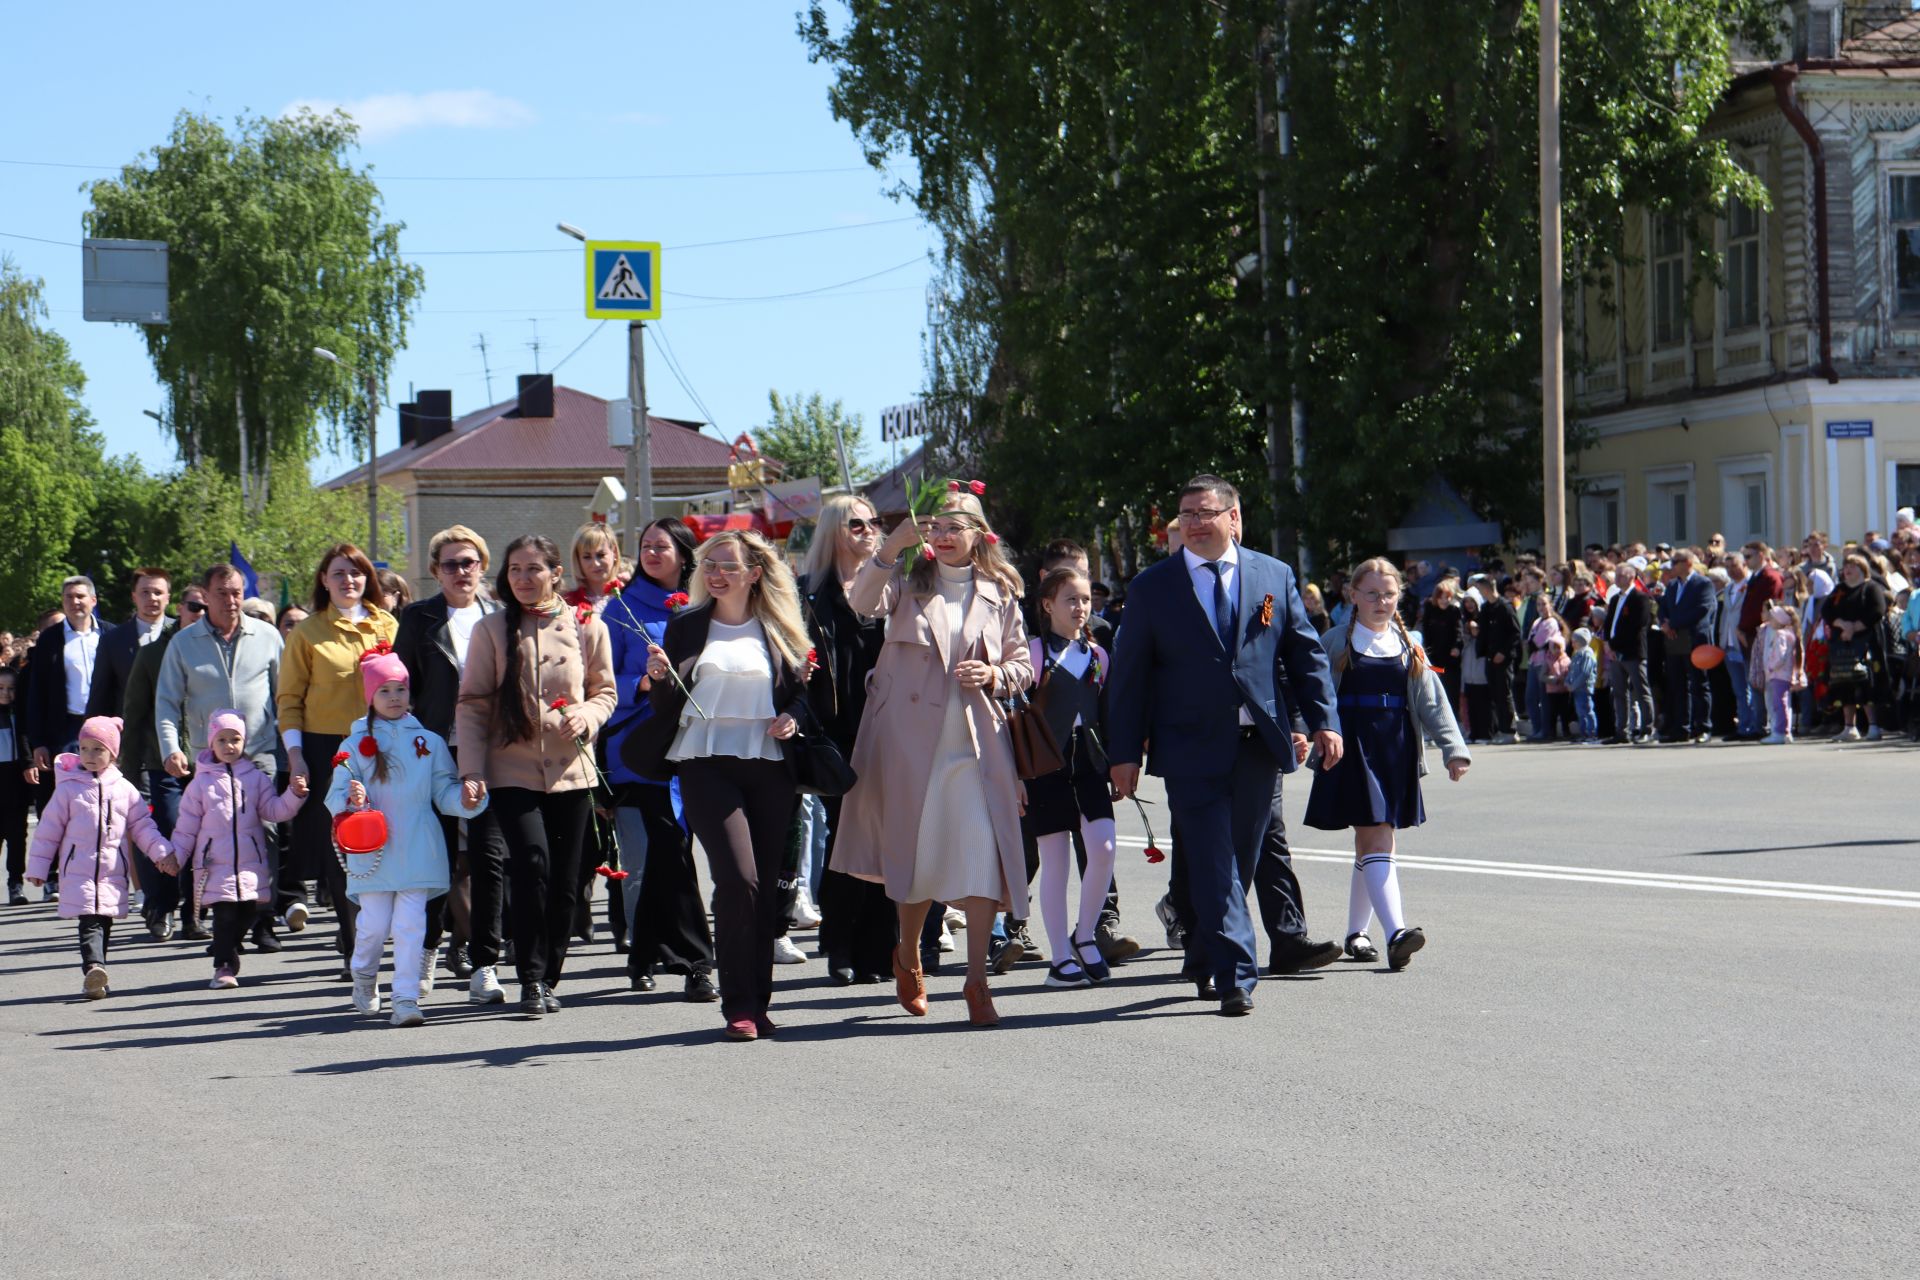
[
  {"x": 935, "y": 815},
  {"x": 537, "y": 686}
]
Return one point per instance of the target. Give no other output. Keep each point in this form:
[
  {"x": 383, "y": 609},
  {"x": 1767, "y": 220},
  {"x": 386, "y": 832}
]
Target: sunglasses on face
[
  {"x": 193, "y": 606},
  {"x": 466, "y": 564},
  {"x": 861, "y": 526}
]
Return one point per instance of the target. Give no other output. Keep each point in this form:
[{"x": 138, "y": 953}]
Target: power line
[
  {"x": 677, "y": 248},
  {"x": 576, "y": 351},
  {"x": 521, "y": 177},
  {"x": 798, "y": 293},
  {"x": 673, "y": 366},
  {"x": 15, "y": 235}
]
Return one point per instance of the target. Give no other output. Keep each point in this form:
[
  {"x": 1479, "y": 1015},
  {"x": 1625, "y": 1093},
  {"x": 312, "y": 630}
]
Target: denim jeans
[
  {"x": 1746, "y": 698},
  {"x": 1537, "y": 713},
  {"x": 1583, "y": 712}
]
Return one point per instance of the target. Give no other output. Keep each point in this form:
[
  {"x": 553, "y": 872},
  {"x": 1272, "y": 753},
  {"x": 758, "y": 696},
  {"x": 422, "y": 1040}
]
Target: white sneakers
[
  {"x": 296, "y": 917},
  {"x": 366, "y": 993},
  {"x": 805, "y": 915},
  {"x": 406, "y": 1013},
  {"x": 483, "y": 987},
  {"x": 429, "y": 961},
  {"x": 784, "y": 952},
  {"x": 1848, "y": 734}
]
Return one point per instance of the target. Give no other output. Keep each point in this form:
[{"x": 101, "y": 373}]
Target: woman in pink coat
[
  {"x": 83, "y": 837},
  {"x": 935, "y": 815},
  {"x": 221, "y": 837}
]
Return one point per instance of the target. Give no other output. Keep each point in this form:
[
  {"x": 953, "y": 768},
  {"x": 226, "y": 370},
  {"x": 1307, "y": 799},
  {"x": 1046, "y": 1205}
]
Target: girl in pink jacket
[
  {"x": 83, "y": 837},
  {"x": 220, "y": 838}
]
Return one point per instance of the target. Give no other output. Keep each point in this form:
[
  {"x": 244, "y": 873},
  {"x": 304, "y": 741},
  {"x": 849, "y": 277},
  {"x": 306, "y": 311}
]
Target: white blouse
[
  {"x": 1377, "y": 644},
  {"x": 733, "y": 683}
]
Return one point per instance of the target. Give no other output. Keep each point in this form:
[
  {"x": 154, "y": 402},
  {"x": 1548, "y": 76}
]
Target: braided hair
[{"x": 1382, "y": 567}]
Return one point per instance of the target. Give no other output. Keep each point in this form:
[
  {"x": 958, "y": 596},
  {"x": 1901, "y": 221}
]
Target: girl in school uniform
[
  {"x": 1390, "y": 702},
  {"x": 1075, "y": 796}
]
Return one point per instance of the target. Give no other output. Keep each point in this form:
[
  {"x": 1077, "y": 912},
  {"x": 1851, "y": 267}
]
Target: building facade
[{"x": 1785, "y": 397}]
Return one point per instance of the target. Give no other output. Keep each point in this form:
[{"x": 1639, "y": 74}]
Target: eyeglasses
[
  {"x": 466, "y": 564},
  {"x": 1379, "y": 597},
  {"x": 193, "y": 606},
  {"x": 861, "y": 526},
  {"x": 1201, "y": 515},
  {"x": 947, "y": 529},
  {"x": 727, "y": 568}
]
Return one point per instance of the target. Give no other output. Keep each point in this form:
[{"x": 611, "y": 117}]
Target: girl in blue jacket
[{"x": 390, "y": 762}]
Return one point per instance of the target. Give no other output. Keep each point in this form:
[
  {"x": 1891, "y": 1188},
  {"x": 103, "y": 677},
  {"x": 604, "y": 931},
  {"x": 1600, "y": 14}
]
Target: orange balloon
[{"x": 1708, "y": 656}]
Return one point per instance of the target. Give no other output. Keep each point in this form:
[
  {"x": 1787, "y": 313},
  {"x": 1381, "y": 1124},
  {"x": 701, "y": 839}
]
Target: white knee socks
[
  {"x": 1359, "y": 905},
  {"x": 1056, "y": 851},
  {"x": 1383, "y": 887}
]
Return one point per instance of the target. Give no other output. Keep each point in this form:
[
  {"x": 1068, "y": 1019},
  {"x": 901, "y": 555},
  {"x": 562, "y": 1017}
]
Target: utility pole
[
  {"x": 1296, "y": 407},
  {"x": 638, "y": 510},
  {"x": 373, "y": 468},
  {"x": 1286, "y": 457},
  {"x": 1553, "y": 450}
]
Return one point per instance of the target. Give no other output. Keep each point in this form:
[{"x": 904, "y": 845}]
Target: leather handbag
[
  {"x": 818, "y": 767},
  {"x": 1036, "y": 752}
]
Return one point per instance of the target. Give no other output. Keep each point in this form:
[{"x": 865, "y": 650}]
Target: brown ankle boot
[
  {"x": 980, "y": 1011},
  {"x": 910, "y": 985}
]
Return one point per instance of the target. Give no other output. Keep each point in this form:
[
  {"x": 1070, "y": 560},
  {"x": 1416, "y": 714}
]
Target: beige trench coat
[{"x": 906, "y": 702}]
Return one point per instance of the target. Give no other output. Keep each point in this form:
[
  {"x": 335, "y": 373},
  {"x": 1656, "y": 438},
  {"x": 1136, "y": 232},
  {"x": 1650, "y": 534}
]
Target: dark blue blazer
[
  {"x": 1175, "y": 686},
  {"x": 1689, "y": 603}
]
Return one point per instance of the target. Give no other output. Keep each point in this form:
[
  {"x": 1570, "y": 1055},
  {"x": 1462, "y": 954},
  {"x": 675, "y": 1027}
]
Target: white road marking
[{"x": 1634, "y": 879}]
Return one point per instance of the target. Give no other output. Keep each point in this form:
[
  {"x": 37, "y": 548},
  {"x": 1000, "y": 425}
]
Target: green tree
[
  {"x": 47, "y": 450},
  {"x": 277, "y": 245},
  {"x": 800, "y": 432},
  {"x": 1094, "y": 171}
]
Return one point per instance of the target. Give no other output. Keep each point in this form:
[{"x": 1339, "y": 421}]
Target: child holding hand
[
  {"x": 389, "y": 761},
  {"x": 221, "y": 834},
  {"x": 83, "y": 839}
]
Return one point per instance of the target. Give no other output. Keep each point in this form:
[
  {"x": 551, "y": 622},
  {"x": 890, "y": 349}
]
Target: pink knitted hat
[
  {"x": 225, "y": 719},
  {"x": 105, "y": 730},
  {"x": 379, "y": 665}
]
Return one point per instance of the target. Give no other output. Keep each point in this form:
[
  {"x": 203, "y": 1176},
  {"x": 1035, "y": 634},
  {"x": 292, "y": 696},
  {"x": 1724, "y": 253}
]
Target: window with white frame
[
  {"x": 1746, "y": 500},
  {"x": 1670, "y": 511},
  {"x": 1903, "y": 228},
  {"x": 1741, "y": 265},
  {"x": 1600, "y": 512},
  {"x": 1906, "y": 485},
  {"x": 1669, "y": 289}
]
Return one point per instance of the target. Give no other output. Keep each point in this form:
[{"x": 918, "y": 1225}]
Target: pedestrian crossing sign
[{"x": 623, "y": 280}]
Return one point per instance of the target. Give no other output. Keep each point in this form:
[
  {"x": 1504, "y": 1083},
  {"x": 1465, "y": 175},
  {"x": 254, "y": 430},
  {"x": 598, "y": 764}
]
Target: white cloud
[{"x": 382, "y": 115}]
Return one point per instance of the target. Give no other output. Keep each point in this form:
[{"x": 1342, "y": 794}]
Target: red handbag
[{"x": 360, "y": 834}]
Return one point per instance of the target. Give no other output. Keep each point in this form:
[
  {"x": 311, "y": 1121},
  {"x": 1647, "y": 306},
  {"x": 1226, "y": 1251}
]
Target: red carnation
[
  {"x": 380, "y": 649},
  {"x": 813, "y": 656},
  {"x": 978, "y": 488},
  {"x": 339, "y": 758},
  {"x": 368, "y": 747},
  {"x": 678, "y": 600},
  {"x": 1154, "y": 855},
  {"x": 558, "y": 704},
  {"x": 611, "y": 873}
]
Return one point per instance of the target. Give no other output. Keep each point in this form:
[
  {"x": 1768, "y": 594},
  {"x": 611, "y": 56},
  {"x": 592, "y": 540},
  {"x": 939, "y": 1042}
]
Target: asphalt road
[{"x": 1671, "y": 1033}]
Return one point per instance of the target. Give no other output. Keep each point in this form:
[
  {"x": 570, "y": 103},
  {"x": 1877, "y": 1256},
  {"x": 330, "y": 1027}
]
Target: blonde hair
[
  {"x": 826, "y": 536},
  {"x": 595, "y": 534},
  {"x": 989, "y": 560},
  {"x": 456, "y": 533},
  {"x": 774, "y": 600},
  {"x": 1385, "y": 568}
]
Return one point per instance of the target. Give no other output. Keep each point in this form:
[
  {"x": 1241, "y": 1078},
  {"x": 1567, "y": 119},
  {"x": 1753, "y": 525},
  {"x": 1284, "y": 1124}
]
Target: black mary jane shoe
[
  {"x": 533, "y": 1003},
  {"x": 1402, "y": 945},
  {"x": 1359, "y": 947},
  {"x": 1095, "y": 968},
  {"x": 1066, "y": 975}
]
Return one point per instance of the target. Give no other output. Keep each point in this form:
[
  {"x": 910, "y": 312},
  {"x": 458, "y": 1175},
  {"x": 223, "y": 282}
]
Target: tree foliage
[
  {"x": 47, "y": 449},
  {"x": 800, "y": 433},
  {"x": 1094, "y": 171},
  {"x": 276, "y": 246}
]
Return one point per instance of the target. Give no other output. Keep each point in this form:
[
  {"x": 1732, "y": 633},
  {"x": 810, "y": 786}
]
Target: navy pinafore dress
[{"x": 1378, "y": 777}]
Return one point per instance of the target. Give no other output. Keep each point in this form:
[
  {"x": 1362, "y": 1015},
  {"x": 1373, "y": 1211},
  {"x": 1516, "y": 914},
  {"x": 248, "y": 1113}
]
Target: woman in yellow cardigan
[{"x": 319, "y": 699}]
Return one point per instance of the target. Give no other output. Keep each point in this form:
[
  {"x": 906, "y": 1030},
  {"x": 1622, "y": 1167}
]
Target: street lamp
[
  {"x": 373, "y": 457},
  {"x": 638, "y": 507}
]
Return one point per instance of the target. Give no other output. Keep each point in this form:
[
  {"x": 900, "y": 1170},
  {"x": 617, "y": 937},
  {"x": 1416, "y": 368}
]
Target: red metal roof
[{"x": 574, "y": 437}]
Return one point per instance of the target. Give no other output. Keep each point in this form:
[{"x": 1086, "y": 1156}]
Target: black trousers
[
  {"x": 486, "y": 863},
  {"x": 1479, "y": 712},
  {"x": 859, "y": 925},
  {"x": 69, "y": 740},
  {"x": 1689, "y": 705},
  {"x": 163, "y": 891},
  {"x": 740, "y": 810},
  {"x": 313, "y": 854},
  {"x": 15, "y": 798},
  {"x": 1450, "y": 680},
  {"x": 1500, "y": 686},
  {"x": 94, "y": 933},
  {"x": 670, "y": 930},
  {"x": 231, "y": 921},
  {"x": 543, "y": 833}
]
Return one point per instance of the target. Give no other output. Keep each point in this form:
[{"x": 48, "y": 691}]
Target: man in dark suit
[
  {"x": 1624, "y": 630},
  {"x": 1216, "y": 659},
  {"x": 1686, "y": 620},
  {"x": 60, "y": 673},
  {"x": 152, "y": 591},
  {"x": 432, "y": 643}
]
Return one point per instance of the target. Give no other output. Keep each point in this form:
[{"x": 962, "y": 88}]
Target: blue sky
[{"x": 485, "y": 123}]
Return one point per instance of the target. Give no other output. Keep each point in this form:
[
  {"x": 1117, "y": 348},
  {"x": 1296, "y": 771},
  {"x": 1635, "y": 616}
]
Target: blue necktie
[{"x": 1222, "y": 607}]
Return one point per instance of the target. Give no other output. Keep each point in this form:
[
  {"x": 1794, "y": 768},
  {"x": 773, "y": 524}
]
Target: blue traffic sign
[{"x": 623, "y": 280}]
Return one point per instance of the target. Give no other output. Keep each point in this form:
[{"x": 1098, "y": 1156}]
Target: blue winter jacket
[{"x": 420, "y": 780}]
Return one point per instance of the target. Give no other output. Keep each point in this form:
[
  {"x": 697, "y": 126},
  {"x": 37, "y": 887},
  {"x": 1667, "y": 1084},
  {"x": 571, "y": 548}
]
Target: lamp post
[
  {"x": 1553, "y": 442},
  {"x": 638, "y": 508},
  {"x": 373, "y": 457}
]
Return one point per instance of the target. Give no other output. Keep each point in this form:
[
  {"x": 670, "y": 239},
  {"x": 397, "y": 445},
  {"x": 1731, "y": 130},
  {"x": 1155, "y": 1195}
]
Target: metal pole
[
  {"x": 373, "y": 469},
  {"x": 639, "y": 505},
  {"x": 840, "y": 444},
  {"x": 1296, "y": 407},
  {"x": 1276, "y": 469},
  {"x": 1553, "y": 451}
]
